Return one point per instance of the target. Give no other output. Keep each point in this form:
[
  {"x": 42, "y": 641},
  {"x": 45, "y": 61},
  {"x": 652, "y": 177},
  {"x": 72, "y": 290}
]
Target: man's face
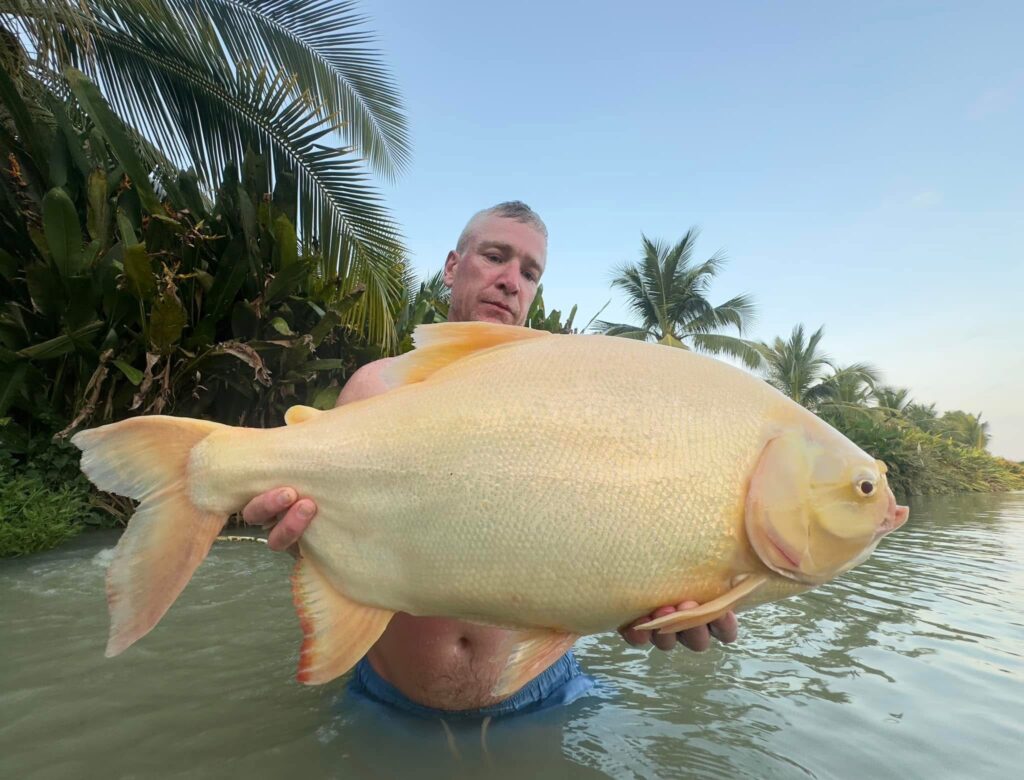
[{"x": 496, "y": 277}]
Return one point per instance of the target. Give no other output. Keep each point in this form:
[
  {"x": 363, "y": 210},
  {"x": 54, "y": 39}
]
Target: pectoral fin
[
  {"x": 705, "y": 613},
  {"x": 336, "y": 631},
  {"x": 533, "y": 652}
]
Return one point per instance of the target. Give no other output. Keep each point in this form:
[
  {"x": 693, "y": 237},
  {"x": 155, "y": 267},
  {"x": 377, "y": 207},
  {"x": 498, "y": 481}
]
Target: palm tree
[
  {"x": 966, "y": 429},
  {"x": 892, "y": 400},
  {"x": 848, "y": 390},
  {"x": 668, "y": 292},
  {"x": 852, "y": 385},
  {"x": 799, "y": 369},
  {"x": 202, "y": 81},
  {"x": 924, "y": 417}
]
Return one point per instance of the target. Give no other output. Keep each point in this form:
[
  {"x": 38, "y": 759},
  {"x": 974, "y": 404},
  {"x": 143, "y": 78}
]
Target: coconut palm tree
[
  {"x": 965, "y": 428},
  {"x": 202, "y": 81},
  {"x": 848, "y": 391},
  {"x": 668, "y": 293},
  {"x": 892, "y": 400},
  {"x": 797, "y": 367},
  {"x": 924, "y": 417}
]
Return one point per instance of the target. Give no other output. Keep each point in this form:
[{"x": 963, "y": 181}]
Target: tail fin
[{"x": 146, "y": 458}]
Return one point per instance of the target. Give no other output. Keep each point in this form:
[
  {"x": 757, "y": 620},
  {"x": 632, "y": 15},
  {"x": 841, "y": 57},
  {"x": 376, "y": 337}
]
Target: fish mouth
[
  {"x": 895, "y": 516},
  {"x": 787, "y": 552}
]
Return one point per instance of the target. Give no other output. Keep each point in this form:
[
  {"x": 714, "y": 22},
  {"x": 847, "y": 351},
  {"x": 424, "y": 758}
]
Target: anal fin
[
  {"x": 336, "y": 631},
  {"x": 533, "y": 652},
  {"x": 705, "y": 613}
]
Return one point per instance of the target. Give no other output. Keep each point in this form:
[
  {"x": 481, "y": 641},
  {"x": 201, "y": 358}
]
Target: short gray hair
[{"x": 510, "y": 209}]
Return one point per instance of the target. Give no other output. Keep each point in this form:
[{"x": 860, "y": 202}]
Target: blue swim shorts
[{"x": 561, "y": 683}]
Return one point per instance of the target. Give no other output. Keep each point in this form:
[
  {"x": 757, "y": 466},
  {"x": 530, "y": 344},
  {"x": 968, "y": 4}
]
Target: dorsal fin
[
  {"x": 299, "y": 414},
  {"x": 444, "y": 343}
]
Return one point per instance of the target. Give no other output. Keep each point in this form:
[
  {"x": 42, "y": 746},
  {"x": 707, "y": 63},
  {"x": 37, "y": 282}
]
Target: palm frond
[
  {"x": 737, "y": 312},
  {"x": 639, "y": 294},
  {"x": 720, "y": 344},
  {"x": 623, "y": 331},
  {"x": 191, "y": 88},
  {"x": 320, "y": 42}
]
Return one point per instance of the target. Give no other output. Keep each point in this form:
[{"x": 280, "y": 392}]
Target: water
[{"x": 910, "y": 666}]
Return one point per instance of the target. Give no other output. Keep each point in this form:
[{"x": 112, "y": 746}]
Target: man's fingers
[
  {"x": 635, "y": 636},
  {"x": 697, "y": 639},
  {"x": 663, "y": 641},
  {"x": 266, "y": 506},
  {"x": 725, "y": 628},
  {"x": 638, "y": 637},
  {"x": 292, "y": 525}
]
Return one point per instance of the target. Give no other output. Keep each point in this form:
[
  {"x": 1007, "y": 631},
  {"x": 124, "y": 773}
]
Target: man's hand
[
  {"x": 697, "y": 639},
  {"x": 282, "y": 509}
]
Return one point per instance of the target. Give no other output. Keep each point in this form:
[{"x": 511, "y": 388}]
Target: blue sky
[{"x": 859, "y": 164}]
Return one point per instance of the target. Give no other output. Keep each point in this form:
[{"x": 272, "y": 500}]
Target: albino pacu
[{"x": 558, "y": 485}]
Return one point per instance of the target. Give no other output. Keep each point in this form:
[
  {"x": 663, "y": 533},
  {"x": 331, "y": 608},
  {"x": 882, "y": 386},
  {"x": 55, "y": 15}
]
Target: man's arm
[{"x": 282, "y": 506}]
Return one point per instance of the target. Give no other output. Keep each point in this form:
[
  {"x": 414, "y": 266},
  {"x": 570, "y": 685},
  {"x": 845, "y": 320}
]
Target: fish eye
[{"x": 865, "y": 486}]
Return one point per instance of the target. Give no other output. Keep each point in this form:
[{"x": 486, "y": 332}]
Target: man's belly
[{"x": 442, "y": 663}]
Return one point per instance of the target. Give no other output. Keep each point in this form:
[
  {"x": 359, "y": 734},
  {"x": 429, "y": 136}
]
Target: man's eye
[
  {"x": 494, "y": 258},
  {"x": 530, "y": 277}
]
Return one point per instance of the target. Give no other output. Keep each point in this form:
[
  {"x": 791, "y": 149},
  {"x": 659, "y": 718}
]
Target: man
[{"x": 430, "y": 664}]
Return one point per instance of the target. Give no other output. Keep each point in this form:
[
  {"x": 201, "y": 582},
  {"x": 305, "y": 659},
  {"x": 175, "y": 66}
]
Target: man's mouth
[{"x": 501, "y": 306}]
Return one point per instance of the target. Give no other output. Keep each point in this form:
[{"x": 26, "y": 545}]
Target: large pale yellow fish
[{"x": 562, "y": 485}]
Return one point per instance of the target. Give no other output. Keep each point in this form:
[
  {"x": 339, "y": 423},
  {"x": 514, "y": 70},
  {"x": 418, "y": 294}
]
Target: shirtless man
[{"x": 432, "y": 664}]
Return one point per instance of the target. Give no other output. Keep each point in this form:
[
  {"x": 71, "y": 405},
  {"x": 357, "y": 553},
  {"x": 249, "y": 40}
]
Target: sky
[{"x": 859, "y": 164}]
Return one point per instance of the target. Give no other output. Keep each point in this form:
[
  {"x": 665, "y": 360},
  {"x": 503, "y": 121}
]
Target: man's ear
[{"x": 449, "y": 268}]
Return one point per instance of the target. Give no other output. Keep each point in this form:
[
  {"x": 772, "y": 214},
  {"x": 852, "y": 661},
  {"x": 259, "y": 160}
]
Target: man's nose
[{"x": 508, "y": 280}]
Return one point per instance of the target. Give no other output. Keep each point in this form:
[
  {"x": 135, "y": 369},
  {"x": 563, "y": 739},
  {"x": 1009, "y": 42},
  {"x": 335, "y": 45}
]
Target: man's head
[{"x": 496, "y": 266}]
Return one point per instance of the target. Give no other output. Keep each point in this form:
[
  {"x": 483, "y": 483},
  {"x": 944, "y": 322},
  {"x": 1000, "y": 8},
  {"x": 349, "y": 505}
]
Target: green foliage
[
  {"x": 115, "y": 305},
  {"x": 423, "y": 303},
  {"x": 922, "y": 463},
  {"x": 44, "y": 498},
  {"x": 203, "y": 82},
  {"x": 668, "y": 294},
  {"x": 963, "y": 428},
  {"x": 35, "y": 517},
  {"x": 551, "y": 321}
]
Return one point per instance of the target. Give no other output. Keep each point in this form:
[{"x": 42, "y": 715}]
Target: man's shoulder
[{"x": 366, "y": 382}]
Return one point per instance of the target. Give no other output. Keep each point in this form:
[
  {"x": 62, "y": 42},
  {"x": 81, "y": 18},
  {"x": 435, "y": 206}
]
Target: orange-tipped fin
[
  {"x": 336, "y": 631},
  {"x": 146, "y": 458},
  {"x": 533, "y": 652},
  {"x": 447, "y": 342}
]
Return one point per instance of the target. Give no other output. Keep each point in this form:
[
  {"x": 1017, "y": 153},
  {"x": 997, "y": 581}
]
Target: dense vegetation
[
  {"x": 173, "y": 256},
  {"x": 132, "y": 286}
]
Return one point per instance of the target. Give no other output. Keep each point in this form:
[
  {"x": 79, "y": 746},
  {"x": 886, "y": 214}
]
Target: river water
[{"x": 910, "y": 666}]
